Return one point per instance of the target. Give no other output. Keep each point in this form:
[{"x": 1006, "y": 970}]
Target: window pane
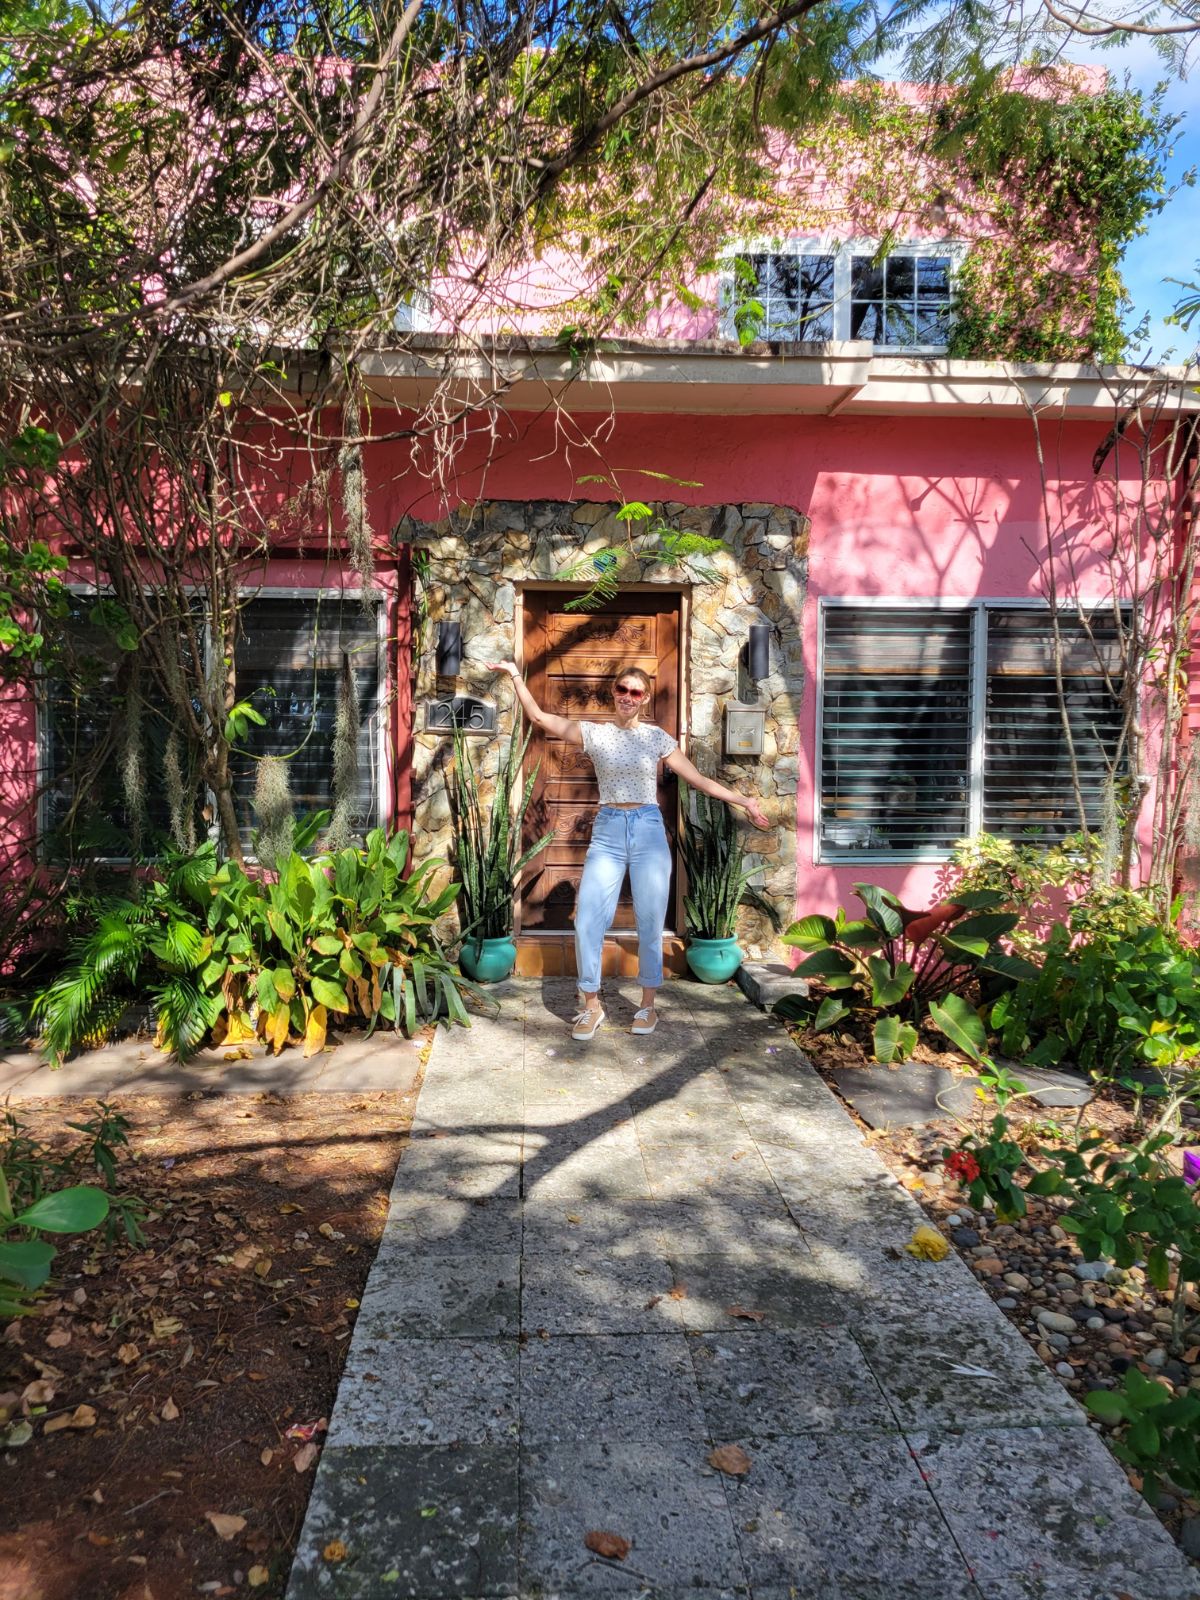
[
  {"x": 900, "y": 326},
  {"x": 895, "y": 729},
  {"x": 866, "y": 278},
  {"x": 866, "y": 321},
  {"x": 816, "y": 298},
  {"x": 933, "y": 277},
  {"x": 901, "y": 277},
  {"x": 933, "y": 326},
  {"x": 289, "y": 659},
  {"x": 1028, "y": 770}
]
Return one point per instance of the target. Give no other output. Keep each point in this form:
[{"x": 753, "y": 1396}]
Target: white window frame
[
  {"x": 842, "y": 251},
  {"x": 378, "y": 743},
  {"x": 825, "y": 855}
]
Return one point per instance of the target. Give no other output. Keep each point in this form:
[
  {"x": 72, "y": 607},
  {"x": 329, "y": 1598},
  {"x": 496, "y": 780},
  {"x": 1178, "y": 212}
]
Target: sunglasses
[{"x": 630, "y": 691}]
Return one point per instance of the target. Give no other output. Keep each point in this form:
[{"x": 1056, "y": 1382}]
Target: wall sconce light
[
  {"x": 757, "y": 652},
  {"x": 449, "y": 649}
]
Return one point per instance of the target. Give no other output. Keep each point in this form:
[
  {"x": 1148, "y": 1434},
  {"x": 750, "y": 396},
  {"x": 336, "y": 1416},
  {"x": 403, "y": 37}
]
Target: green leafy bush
[
  {"x": 221, "y": 954},
  {"x": 1110, "y": 1002},
  {"x": 1159, "y": 1437},
  {"x": 907, "y": 965}
]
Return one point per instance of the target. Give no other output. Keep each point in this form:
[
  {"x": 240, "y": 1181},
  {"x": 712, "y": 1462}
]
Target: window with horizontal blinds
[
  {"x": 919, "y": 749},
  {"x": 895, "y": 729},
  {"x": 288, "y": 661},
  {"x": 1029, "y": 764}
]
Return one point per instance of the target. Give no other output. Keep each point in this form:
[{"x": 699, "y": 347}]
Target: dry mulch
[
  {"x": 1028, "y": 1266},
  {"x": 197, "y": 1370}
]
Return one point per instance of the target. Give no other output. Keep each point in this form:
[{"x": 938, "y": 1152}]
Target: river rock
[
  {"x": 1092, "y": 1271},
  {"x": 1017, "y": 1281},
  {"x": 1056, "y": 1322}
]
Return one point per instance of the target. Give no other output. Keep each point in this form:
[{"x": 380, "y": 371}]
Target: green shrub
[{"x": 906, "y": 965}]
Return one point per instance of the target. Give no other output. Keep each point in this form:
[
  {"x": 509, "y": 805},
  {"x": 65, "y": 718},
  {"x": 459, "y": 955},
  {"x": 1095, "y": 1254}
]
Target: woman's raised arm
[{"x": 558, "y": 727}]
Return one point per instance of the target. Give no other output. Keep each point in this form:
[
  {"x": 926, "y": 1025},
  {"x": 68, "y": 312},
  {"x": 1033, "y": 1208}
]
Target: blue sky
[{"x": 1171, "y": 246}]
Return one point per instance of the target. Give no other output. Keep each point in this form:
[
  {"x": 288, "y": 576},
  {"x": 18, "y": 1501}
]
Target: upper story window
[{"x": 807, "y": 290}]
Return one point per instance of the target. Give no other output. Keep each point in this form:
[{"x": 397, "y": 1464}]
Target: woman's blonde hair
[{"x": 631, "y": 671}]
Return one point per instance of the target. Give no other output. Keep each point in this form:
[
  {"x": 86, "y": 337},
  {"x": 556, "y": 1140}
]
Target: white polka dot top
[{"x": 626, "y": 760}]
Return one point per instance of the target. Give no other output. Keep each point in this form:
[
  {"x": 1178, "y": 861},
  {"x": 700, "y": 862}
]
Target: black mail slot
[{"x": 462, "y": 711}]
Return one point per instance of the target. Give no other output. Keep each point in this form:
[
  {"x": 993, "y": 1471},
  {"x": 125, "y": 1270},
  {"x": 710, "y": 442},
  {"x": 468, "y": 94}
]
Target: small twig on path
[{"x": 151, "y": 1500}]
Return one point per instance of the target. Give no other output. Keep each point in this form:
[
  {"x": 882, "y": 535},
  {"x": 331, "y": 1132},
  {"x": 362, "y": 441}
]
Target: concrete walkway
[{"x": 553, "y": 1339}]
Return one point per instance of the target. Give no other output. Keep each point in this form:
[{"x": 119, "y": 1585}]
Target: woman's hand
[
  {"x": 510, "y": 667},
  {"x": 756, "y": 813}
]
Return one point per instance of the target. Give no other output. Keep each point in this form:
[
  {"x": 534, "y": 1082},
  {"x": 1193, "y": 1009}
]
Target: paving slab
[
  {"x": 1048, "y": 1513},
  {"x": 384, "y": 1063},
  {"x": 416, "y": 1521},
  {"x": 841, "y": 1509},
  {"x": 663, "y": 1498},
  {"x": 601, "y": 1261},
  {"x": 622, "y": 1388}
]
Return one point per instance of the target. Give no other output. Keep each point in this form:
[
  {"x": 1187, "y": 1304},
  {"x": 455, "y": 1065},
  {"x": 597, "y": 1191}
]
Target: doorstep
[{"x": 552, "y": 955}]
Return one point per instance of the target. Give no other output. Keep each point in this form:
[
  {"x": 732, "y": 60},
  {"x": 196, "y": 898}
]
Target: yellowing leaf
[
  {"x": 262, "y": 1266},
  {"x": 167, "y": 1327},
  {"x": 603, "y": 1543},
  {"x": 314, "y": 1032},
  {"x": 127, "y": 1354},
  {"x": 335, "y": 1550},
  {"x": 227, "y": 1527},
  {"x": 277, "y": 1030},
  {"x": 927, "y": 1244},
  {"x": 257, "y": 1576}
]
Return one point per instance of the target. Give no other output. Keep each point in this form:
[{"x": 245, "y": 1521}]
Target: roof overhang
[{"x": 710, "y": 378}]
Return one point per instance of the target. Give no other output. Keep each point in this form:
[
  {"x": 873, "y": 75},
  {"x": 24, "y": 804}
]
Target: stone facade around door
[{"x": 478, "y": 561}]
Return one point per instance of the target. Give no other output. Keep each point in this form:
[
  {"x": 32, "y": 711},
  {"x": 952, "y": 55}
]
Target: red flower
[{"x": 963, "y": 1165}]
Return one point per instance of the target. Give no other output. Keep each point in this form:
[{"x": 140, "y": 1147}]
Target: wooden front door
[{"x": 570, "y": 658}]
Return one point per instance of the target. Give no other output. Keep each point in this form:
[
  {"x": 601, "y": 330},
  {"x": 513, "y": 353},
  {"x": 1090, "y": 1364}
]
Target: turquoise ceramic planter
[
  {"x": 713, "y": 960},
  {"x": 488, "y": 960}
]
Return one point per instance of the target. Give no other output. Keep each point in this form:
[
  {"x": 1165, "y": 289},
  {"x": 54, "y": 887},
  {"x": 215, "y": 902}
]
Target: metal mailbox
[{"x": 744, "y": 729}]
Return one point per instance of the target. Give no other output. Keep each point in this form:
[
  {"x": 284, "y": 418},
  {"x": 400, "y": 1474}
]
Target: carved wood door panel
[{"x": 570, "y": 658}]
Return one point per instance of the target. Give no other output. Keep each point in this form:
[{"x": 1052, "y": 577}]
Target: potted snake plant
[
  {"x": 718, "y": 882},
  {"x": 488, "y": 856}
]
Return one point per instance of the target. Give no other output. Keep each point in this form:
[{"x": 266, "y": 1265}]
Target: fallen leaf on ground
[
  {"x": 304, "y": 1457},
  {"x": 262, "y": 1266},
  {"x": 677, "y": 1291},
  {"x": 746, "y": 1316},
  {"x": 328, "y": 1230},
  {"x": 58, "y": 1338},
  {"x": 927, "y": 1244},
  {"x": 730, "y": 1459},
  {"x": 257, "y": 1576},
  {"x": 611, "y": 1545},
  {"x": 267, "y": 1457},
  {"x": 82, "y": 1417},
  {"x": 335, "y": 1550},
  {"x": 38, "y": 1393},
  {"x": 170, "y": 1410},
  {"x": 166, "y": 1327},
  {"x": 227, "y": 1526},
  {"x": 98, "y": 1539},
  {"x": 127, "y": 1354}
]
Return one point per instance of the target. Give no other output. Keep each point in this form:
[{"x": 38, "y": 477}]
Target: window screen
[
  {"x": 1027, "y": 775},
  {"x": 84, "y": 707},
  {"x": 895, "y": 729},
  {"x": 288, "y": 660}
]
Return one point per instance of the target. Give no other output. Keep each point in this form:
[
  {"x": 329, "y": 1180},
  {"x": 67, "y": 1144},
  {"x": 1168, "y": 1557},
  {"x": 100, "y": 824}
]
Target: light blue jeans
[{"x": 623, "y": 841}]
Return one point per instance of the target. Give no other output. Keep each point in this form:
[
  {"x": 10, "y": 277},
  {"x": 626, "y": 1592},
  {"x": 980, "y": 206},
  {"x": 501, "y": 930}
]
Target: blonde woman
[{"x": 628, "y": 834}]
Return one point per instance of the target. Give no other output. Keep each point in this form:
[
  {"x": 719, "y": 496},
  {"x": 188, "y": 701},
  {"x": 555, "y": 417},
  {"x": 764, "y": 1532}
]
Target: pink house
[{"x": 885, "y": 530}]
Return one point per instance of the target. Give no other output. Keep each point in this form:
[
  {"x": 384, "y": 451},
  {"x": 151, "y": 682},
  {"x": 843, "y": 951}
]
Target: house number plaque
[{"x": 444, "y": 713}]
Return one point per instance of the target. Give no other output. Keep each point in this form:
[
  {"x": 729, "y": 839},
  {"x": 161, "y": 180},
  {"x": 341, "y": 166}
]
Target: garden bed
[
  {"x": 1030, "y": 1266},
  {"x": 194, "y": 1372}
]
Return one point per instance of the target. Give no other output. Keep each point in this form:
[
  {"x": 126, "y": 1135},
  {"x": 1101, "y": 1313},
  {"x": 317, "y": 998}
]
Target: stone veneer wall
[{"x": 478, "y": 560}]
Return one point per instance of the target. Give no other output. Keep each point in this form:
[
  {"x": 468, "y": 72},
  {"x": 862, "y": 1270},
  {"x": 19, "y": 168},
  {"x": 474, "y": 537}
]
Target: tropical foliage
[
  {"x": 906, "y": 965},
  {"x": 234, "y": 958},
  {"x": 488, "y": 854}
]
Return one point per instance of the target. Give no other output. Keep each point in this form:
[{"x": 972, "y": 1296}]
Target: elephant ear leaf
[
  {"x": 811, "y": 933},
  {"x": 961, "y": 1025},
  {"x": 830, "y": 1013},
  {"x": 889, "y": 984},
  {"x": 894, "y": 1040},
  {"x": 834, "y": 969}
]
